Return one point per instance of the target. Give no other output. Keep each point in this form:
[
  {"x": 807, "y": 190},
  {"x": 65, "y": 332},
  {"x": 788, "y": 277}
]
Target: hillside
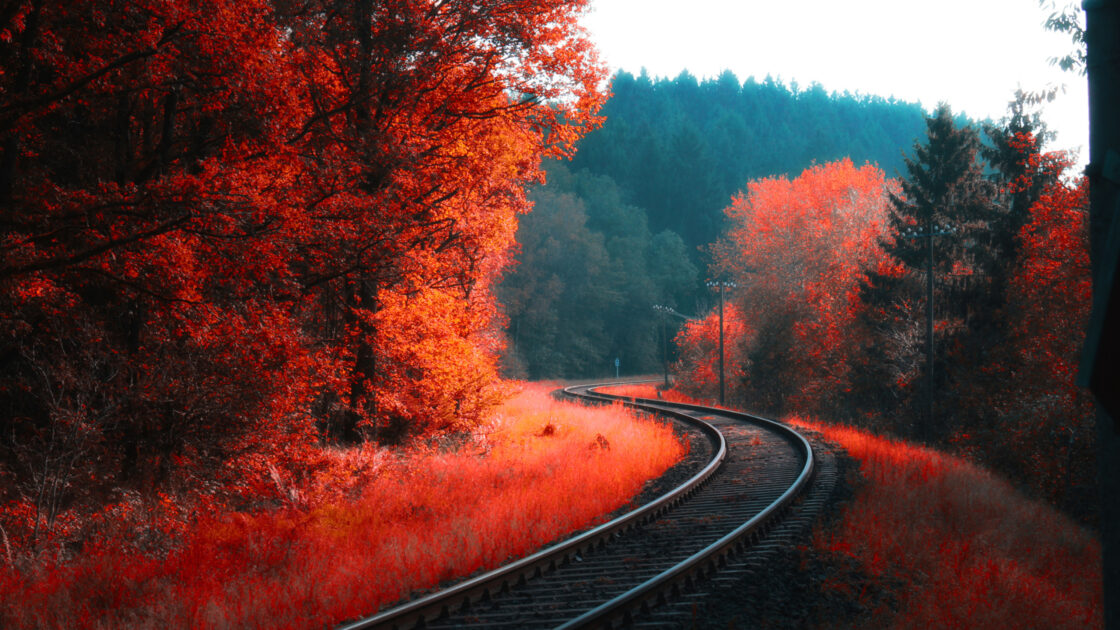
[
  {"x": 681, "y": 148},
  {"x": 626, "y": 224}
]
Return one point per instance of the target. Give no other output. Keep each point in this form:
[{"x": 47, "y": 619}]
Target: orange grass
[
  {"x": 649, "y": 390},
  {"x": 536, "y": 471},
  {"x": 962, "y": 548}
]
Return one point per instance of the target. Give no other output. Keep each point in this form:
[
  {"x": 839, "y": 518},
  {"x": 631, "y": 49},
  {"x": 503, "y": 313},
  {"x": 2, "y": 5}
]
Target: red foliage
[
  {"x": 369, "y": 527},
  {"x": 653, "y": 392},
  {"x": 1046, "y": 431},
  {"x": 953, "y": 546},
  {"x": 1053, "y": 286},
  {"x": 799, "y": 249},
  {"x": 230, "y": 224},
  {"x": 698, "y": 366}
]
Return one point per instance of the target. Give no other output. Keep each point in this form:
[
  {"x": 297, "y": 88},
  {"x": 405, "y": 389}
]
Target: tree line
[
  {"x": 628, "y": 222},
  {"x": 833, "y": 314},
  {"x": 682, "y": 147}
]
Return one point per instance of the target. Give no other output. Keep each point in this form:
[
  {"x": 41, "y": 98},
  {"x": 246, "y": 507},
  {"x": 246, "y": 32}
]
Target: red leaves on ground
[{"x": 367, "y": 527}]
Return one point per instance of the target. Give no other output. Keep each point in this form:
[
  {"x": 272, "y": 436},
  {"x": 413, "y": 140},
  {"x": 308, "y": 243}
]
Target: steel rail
[
  {"x": 655, "y": 588},
  {"x": 620, "y": 609},
  {"x": 415, "y": 612}
]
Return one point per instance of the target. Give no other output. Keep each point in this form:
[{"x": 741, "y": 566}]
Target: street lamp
[
  {"x": 928, "y": 233},
  {"x": 722, "y": 285},
  {"x": 665, "y": 312}
]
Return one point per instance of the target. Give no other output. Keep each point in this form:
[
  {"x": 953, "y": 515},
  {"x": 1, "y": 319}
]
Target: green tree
[
  {"x": 589, "y": 273},
  {"x": 948, "y": 205}
]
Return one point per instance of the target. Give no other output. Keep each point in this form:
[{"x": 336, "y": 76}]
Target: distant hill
[
  {"x": 681, "y": 148},
  {"x": 620, "y": 228}
]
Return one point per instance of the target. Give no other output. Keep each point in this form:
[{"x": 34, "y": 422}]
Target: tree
[
  {"x": 798, "y": 250},
  {"x": 1048, "y": 434},
  {"x": 562, "y": 287},
  {"x": 948, "y": 208},
  {"x": 222, "y": 221},
  {"x": 698, "y": 345},
  {"x": 427, "y": 120},
  {"x": 144, "y": 246},
  {"x": 588, "y": 274}
]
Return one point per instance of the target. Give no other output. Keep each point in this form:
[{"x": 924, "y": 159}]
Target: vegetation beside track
[
  {"x": 931, "y": 540},
  {"x": 943, "y": 543},
  {"x": 371, "y": 527}
]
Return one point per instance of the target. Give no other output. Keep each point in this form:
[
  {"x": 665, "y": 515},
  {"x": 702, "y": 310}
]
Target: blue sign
[{"x": 616, "y": 361}]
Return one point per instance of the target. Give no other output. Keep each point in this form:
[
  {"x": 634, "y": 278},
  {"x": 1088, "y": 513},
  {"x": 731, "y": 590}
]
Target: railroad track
[{"x": 619, "y": 573}]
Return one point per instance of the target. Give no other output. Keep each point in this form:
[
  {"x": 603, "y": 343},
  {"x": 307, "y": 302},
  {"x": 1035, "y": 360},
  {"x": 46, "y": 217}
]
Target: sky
[{"x": 972, "y": 54}]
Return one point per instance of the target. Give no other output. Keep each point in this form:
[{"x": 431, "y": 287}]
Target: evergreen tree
[
  {"x": 1018, "y": 171},
  {"x": 947, "y": 205}
]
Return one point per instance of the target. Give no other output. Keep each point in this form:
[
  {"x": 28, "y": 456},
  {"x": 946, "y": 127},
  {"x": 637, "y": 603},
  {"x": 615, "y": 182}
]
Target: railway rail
[{"x": 617, "y": 573}]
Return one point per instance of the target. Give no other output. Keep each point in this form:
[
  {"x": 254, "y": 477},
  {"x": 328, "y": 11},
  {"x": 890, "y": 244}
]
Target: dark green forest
[
  {"x": 681, "y": 148},
  {"x": 627, "y": 223}
]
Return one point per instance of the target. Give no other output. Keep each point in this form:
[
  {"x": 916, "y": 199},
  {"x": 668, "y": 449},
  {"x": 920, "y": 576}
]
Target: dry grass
[
  {"x": 959, "y": 547},
  {"x": 536, "y": 471}
]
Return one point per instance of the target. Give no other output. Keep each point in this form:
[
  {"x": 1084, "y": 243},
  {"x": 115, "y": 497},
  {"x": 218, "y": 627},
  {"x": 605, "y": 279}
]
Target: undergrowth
[
  {"x": 651, "y": 391},
  {"x": 370, "y": 527},
  {"x": 956, "y": 546}
]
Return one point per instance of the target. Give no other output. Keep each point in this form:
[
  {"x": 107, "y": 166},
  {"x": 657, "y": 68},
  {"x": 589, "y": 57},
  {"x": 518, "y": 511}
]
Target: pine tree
[{"x": 946, "y": 205}]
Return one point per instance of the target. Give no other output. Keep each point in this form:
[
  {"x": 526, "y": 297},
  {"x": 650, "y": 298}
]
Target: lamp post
[
  {"x": 722, "y": 285},
  {"x": 665, "y": 312},
  {"x": 928, "y": 233}
]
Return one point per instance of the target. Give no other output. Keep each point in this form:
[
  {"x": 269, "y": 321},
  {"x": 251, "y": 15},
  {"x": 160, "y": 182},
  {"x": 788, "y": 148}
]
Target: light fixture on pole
[
  {"x": 722, "y": 285},
  {"x": 664, "y": 312},
  {"x": 928, "y": 233}
]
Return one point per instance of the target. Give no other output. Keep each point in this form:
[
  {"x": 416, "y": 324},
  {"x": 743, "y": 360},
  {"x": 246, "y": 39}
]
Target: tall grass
[
  {"x": 649, "y": 390},
  {"x": 959, "y": 547},
  {"x": 372, "y": 527}
]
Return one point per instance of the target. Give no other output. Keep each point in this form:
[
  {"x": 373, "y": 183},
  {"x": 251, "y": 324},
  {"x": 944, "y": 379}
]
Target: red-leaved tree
[
  {"x": 1043, "y": 429},
  {"x": 232, "y": 229},
  {"x": 698, "y": 365},
  {"x": 798, "y": 250}
]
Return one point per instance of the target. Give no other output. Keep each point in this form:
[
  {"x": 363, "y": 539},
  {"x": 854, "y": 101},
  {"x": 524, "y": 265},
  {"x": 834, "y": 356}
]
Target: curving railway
[{"x": 633, "y": 569}]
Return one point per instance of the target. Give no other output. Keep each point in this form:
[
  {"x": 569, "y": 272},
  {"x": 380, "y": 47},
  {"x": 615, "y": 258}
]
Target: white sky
[{"x": 969, "y": 53}]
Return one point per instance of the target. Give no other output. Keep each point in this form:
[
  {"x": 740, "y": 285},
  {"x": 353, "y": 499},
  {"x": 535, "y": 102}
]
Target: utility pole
[
  {"x": 665, "y": 312},
  {"x": 721, "y": 285},
  {"x": 926, "y": 432}
]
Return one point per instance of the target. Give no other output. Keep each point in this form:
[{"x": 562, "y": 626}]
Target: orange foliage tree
[
  {"x": 698, "y": 365},
  {"x": 798, "y": 250},
  {"x": 230, "y": 224},
  {"x": 426, "y": 121}
]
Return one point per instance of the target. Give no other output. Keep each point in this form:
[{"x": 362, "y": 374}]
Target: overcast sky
[{"x": 971, "y": 54}]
